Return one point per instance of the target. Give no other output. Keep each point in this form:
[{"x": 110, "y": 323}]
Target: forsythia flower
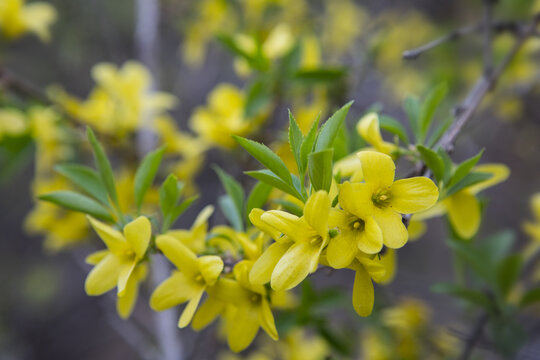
[
  {"x": 12, "y": 122},
  {"x": 296, "y": 259},
  {"x": 368, "y": 127},
  {"x": 119, "y": 102},
  {"x": 379, "y": 196},
  {"x": 462, "y": 207},
  {"x": 118, "y": 265},
  {"x": 188, "y": 284},
  {"x": 195, "y": 237},
  {"x": 17, "y": 18},
  {"x": 224, "y": 116}
]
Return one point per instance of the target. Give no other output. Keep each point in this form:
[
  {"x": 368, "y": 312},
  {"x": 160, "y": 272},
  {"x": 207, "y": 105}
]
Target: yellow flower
[
  {"x": 463, "y": 207},
  {"x": 410, "y": 315},
  {"x": 368, "y": 127},
  {"x": 349, "y": 167},
  {"x": 309, "y": 235},
  {"x": 119, "y": 102},
  {"x": 366, "y": 269},
  {"x": 224, "y": 116},
  {"x": 12, "y": 122},
  {"x": 188, "y": 284},
  {"x": 343, "y": 24},
  {"x": 17, "y": 18},
  {"x": 244, "y": 306},
  {"x": 385, "y": 199},
  {"x": 117, "y": 266},
  {"x": 195, "y": 237}
]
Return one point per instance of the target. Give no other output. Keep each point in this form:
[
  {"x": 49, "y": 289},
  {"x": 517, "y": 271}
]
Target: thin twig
[
  {"x": 497, "y": 27},
  {"x": 21, "y": 86},
  {"x": 474, "y": 336},
  {"x": 488, "y": 46}
]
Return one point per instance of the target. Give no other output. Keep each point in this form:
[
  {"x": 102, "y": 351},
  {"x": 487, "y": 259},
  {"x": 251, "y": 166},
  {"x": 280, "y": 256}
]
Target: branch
[
  {"x": 10, "y": 80},
  {"x": 498, "y": 27},
  {"x": 474, "y": 337}
]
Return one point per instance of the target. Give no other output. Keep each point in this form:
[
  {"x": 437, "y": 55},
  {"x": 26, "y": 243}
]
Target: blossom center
[
  {"x": 381, "y": 198},
  {"x": 255, "y": 298},
  {"x": 199, "y": 279},
  {"x": 357, "y": 224},
  {"x": 316, "y": 240}
]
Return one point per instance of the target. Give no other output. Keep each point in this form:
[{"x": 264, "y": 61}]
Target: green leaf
[
  {"x": 86, "y": 179},
  {"x": 469, "y": 180},
  {"x": 177, "y": 211},
  {"x": 530, "y": 297},
  {"x": 77, "y": 202},
  {"x": 448, "y": 165},
  {"x": 412, "y": 108},
  {"x": 169, "y": 193},
  {"x": 429, "y": 106},
  {"x": 439, "y": 131},
  {"x": 290, "y": 207},
  {"x": 471, "y": 296},
  {"x": 508, "y": 272},
  {"x": 464, "y": 168},
  {"x": 395, "y": 127},
  {"x": 307, "y": 145},
  {"x": 497, "y": 246},
  {"x": 266, "y": 157},
  {"x": 268, "y": 177},
  {"x": 236, "y": 195},
  {"x": 433, "y": 161},
  {"x": 320, "y": 169},
  {"x": 144, "y": 177},
  {"x": 322, "y": 75},
  {"x": 103, "y": 165},
  {"x": 481, "y": 265},
  {"x": 295, "y": 141},
  {"x": 257, "y": 99},
  {"x": 257, "y": 197},
  {"x": 330, "y": 129},
  {"x": 228, "y": 208}
]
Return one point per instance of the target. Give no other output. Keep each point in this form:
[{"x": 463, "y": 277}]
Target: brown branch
[
  {"x": 474, "y": 336},
  {"x": 21, "y": 86},
  {"x": 498, "y": 27}
]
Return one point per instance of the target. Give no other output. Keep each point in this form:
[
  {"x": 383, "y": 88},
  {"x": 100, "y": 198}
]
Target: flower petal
[
  {"x": 95, "y": 257},
  {"x": 183, "y": 258},
  {"x": 395, "y": 234},
  {"x": 316, "y": 212},
  {"x": 292, "y": 226},
  {"x": 175, "y": 290},
  {"x": 113, "y": 239},
  {"x": 266, "y": 319},
  {"x": 370, "y": 240},
  {"x": 262, "y": 269},
  {"x": 242, "y": 328},
  {"x": 104, "y": 276},
  {"x": 355, "y": 198},
  {"x": 499, "y": 174},
  {"x": 190, "y": 309},
  {"x": 126, "y": 303},
  {"x": 368, "y": 128},
  {"x": 229, "y": 291},
  {"x": 363, "y": 294},
  {"x": 464, "y": 213},
  {"x": 210, "y": 267},
  {"x": 378, "y": 168},
  {"x": 255, "y": 218},
  {"x": 207, "y": 313},
  {"x": 389, "y": 262},
  {"x": 123, "y": 277},
  {"x": 295, "y": 265},
  {"x": 342, "y": 249},
  {"x": 413, "y": 195},
  {"x": 138, "y": 233}
]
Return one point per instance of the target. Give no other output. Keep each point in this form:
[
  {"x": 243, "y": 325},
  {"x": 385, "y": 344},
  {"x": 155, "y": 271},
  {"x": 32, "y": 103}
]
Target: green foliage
[
  {"x": 320, "y": 169},
  {"x": 257, "y": 198},
  {"x": 74, "y": 201},
  {"x": 144, "y": 177},
  {"x": 433, "y": 161},
  {"x": 103, "y": 165},
  {"x": 86, "y": 179},
  {"x": 393, "y": 126},
  {"x": 330, "y": 129},
  {"x": 169, "y": 195},
  {"x": 428, "y": 108},
  {"x": 232, "y": 204}
]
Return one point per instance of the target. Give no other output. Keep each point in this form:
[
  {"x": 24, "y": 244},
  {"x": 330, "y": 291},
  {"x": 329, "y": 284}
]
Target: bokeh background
[{"x": 44, "y": 312}]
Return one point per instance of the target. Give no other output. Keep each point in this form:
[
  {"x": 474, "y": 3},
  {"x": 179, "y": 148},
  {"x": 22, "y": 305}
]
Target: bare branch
[{"x": 474, "y": 336}]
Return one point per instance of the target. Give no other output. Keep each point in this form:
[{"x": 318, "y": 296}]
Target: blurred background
[{"x": 355, "y": 48}]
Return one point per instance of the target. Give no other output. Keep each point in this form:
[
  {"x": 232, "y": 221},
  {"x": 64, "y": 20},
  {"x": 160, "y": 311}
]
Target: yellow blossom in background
[
  {"x": 223, "y": 117},
  {"x": 120, "y": 101},
  {"x": 342, "y": 26},
  {"x": 62, "y": 228},
  {"x": 532, "y": 228},
  {"x": 12, "y": 122},
  {"x": 18, "y": 18},
  {"x": 189, "y": 283},
  {"x": 369, "y": 129},
  {"x": 117, "y": 265}
]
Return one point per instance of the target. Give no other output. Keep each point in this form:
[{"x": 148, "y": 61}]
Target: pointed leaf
[
  {"x": 144, "y": 177},
  {"x": 330, "y": 129},
  {"x": 86, "y": 179},
  {"x": 77, "y": 202}
]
